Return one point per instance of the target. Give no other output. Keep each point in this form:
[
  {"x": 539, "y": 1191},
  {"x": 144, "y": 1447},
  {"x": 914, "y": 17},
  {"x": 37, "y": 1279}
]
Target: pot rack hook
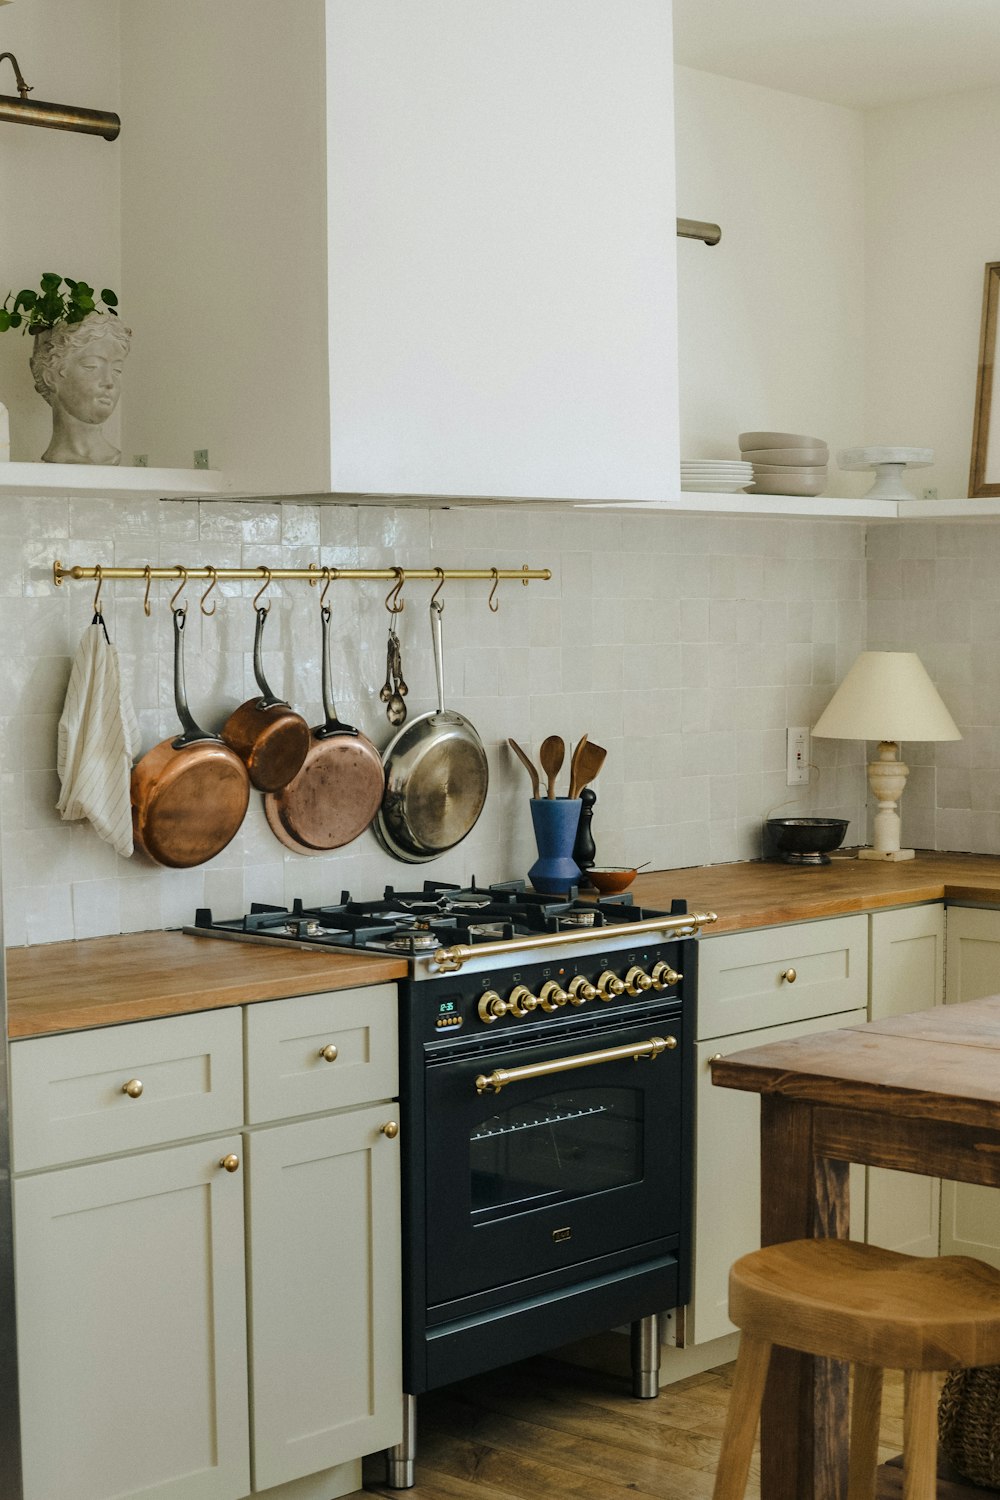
[
  {"x": 329, "y": 574},
  {"x": 147, "y": 573},
  {"x": 493, "y": 601},
  {"x": 440, "y": 583},
  {"x": 266, "y": 575},
  {"x": 99, "y": 575},
  {"x": 182, "y": 574},
  {"x": 213, "y": 574},
  {"x": 393, "y": 603}
]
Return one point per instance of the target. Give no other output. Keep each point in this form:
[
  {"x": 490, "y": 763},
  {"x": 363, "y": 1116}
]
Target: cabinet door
[
  {"x": 970, "y": 1215},
  {"x": 324, "y": 1269},
  {"x": 907, "y": 973},
  {"x": 727, "y": 1174},
  {"x": 132, "y": 1328}
]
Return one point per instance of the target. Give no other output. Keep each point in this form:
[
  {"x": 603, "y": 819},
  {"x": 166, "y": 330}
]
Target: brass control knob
[
  {"x": 609, "y": 985},
  {"x": 133, "y": 1088},
  {"x": 551, "y": 996},
  {"x": 581, "y": 990},
  {"x": 390, "y": 1130},
  {"x": 230, "y": 1162},
  {"x": 329, "y": 1053},
  {"x": 521, "y": 1002},
  {"x": 637, "y": 980},
  {"x": 663, "y": 976},
  {"x": 491, "y": 1007}
]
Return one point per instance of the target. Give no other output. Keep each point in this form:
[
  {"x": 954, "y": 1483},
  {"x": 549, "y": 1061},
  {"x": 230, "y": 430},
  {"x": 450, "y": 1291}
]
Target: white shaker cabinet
[
  {"x": 373, "y": 247},
  {"x": 215, "y": 1317}
]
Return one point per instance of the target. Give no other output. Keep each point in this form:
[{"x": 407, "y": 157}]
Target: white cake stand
[{"x": 889, "y": 464}]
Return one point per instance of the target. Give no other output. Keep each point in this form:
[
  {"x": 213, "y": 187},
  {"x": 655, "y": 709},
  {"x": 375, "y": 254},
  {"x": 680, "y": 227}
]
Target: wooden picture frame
[{"x": 984, "y": 473}]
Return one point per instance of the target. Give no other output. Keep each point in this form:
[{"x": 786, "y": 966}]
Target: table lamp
[{"x": 886, "y": 696}]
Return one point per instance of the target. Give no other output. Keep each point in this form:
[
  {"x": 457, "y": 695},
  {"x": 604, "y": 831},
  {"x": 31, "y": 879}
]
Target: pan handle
[
  {"x": 333, "y": 725},
  {"x": 193, "y": 733},
  {"x": 436, "y": 610},
  {"x": 268, "y": 699}
]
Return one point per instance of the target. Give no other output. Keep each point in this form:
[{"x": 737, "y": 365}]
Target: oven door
[{"x": 554, "y": 1171}]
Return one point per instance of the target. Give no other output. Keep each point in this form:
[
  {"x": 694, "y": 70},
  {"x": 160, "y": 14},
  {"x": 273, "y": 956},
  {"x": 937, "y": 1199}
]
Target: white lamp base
[
  {"x": 887, "y": 779},
  {"x": 889, "y": 854}
]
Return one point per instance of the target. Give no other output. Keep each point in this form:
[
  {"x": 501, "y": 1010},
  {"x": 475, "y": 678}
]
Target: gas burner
[
  {"x": 303, "y": 927},
  {"x": 488, "y": 931},
  {"x": 580, "y": 919},
  {"x": 420, "y": 938}
]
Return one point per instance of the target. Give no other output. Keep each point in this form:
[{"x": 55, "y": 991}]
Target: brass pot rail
[
  {"x": 501, "y": 1077},
  {"x": 317, "y": 573},
  {"x": 450, "y": 960}
]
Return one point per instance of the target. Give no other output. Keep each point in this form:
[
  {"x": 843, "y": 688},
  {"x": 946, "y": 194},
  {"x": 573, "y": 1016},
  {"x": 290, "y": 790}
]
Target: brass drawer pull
[
  {"x": 133, "y": 1088},
  {"x": 329, "y": 1052},
  {"x": 230, "y": 1162},
  {"x": 790, "y": 975},
  {"x": 501, "y": 1077}
]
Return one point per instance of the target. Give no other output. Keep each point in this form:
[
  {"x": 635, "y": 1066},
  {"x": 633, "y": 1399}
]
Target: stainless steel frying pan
[{"x": 436, "y": 777}]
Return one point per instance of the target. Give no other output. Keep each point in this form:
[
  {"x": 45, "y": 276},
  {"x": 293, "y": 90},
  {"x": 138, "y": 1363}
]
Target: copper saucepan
[
  {"x": 189, "y": 794},
  {"x": 337, "y": 793},
  {"x": 269, "y": 737}
]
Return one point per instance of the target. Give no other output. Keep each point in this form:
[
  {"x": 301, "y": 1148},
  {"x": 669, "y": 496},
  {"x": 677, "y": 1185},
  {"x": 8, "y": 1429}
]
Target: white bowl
[
  {"x": 785, "y": 456},
  {"x": 790, "y": 482},
  {"x": 779, "y": 440},
  {"x": 789, "y": 471}
]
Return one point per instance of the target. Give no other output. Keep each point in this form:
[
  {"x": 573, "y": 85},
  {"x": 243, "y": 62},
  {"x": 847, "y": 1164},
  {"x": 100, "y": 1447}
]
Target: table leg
[{"x": 804, "y": 1419}]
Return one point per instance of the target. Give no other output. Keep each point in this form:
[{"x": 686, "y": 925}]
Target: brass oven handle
[
  {"x": 449, "y": 960},
  {"x": 500, "y": 1077}
]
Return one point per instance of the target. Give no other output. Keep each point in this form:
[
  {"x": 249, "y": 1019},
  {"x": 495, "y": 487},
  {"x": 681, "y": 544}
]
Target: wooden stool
[{"x": 880, "y": 1310}]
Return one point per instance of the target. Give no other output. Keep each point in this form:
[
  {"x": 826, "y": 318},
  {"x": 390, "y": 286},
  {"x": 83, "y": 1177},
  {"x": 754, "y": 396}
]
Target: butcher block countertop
[{"x": 143, "y": 975}]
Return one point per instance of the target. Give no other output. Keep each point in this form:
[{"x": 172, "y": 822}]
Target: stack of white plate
[
  {"x": 722, "y": 476},
  {"x": 786, "y": 463}
]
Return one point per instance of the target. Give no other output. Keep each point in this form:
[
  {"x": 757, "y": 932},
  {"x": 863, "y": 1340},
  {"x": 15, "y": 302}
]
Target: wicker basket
[{"x": 969, "y": 1424}]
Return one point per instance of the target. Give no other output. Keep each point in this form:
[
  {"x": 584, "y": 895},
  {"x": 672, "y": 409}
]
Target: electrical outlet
[
  {"x": 140, "y": 460},
  {"x": 797, "y": 757},
  {"x": 201, "y": 458},
  {"x": 929, "y": 494}
]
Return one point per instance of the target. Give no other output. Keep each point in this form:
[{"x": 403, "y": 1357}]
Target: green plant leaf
[
  {"x": 13, "y": 320},
  {"x": 50, "y": 281},
  {"x": 25, "y": 300},
  {"x": 108, "y": 297},
  {"x": 4, "y": 320}
]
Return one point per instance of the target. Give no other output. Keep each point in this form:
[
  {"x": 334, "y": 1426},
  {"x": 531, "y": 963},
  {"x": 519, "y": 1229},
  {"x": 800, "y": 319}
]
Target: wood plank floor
[{"x": 549, "y": 1429}]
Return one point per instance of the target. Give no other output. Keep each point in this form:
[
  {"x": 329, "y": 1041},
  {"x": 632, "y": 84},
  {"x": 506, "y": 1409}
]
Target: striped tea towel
[{"x": 98, "y": 740}]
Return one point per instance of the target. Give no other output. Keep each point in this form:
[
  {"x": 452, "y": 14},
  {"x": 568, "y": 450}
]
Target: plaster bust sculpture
[{"x": 77, "y": 367}]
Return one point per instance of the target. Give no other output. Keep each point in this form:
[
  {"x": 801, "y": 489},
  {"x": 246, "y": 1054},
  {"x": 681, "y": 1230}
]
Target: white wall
[
  {"x": 933, "y": 222},
  {"x": 59, "y": 190},
  {"x": 772, "y": 318}
]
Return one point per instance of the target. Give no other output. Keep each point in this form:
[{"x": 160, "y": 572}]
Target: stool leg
[
  {"x": 920, "y": 1396},
  {"x": 866, "y": 1409},
  {"x": 741, "y": 1418}
]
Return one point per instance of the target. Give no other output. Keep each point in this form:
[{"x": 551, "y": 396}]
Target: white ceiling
[{"x": 858, "y": 53}]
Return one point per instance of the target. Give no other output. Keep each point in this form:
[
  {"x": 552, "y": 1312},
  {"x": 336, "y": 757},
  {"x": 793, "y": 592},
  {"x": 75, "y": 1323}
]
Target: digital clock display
[{"x": 446, "y": 1008}]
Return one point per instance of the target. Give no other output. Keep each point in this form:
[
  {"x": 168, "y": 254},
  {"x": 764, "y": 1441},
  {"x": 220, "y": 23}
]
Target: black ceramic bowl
[{"x": 805, "y": 841}]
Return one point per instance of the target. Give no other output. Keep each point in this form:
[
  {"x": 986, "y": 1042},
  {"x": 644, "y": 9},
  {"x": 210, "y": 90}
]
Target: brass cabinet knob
[
  {"x": 581, "y": 990},
  {"x": 491, "y": 1007},
  {"x": 715, "y": 1057},
  {"x": 637, "y": 980},
  {"x": 133, "y": 1088},
  {"x": 663, "y": 976},
  {"x": 230, "y": 1162},
  {"x": 520, "y": 1001},
  {"x": 329, "y": 1053},
  {"x": 390, "y": 1130},
  {"x": 551, "y": 996},
  {"x": 790, "y": 975},
  {"x": 609, "y": 985}
]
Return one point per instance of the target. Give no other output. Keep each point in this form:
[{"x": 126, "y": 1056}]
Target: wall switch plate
[
  {"x": 797, "y": 757},
  {"x": 201, "y": 458}
]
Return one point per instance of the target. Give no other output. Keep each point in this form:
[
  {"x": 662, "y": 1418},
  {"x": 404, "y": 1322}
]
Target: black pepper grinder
[{"x": 584, "y": 853}]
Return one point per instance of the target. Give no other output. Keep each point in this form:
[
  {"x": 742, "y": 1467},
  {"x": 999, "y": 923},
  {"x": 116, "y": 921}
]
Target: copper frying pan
[
  {"x": 337, "y": 793},
  {"x": 269, "y": 737},
  {"x": 189, "y": 794}
]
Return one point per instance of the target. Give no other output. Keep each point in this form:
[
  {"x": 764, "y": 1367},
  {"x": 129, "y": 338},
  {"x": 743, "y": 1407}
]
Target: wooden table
[{"x": 919, "y": 1093}]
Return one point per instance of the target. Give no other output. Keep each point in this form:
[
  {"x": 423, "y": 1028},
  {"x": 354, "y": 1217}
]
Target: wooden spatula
[
  {"x": 552, "y": 754},
  {"x": 526, "y": 762},
  {"x": 588, "y": 759}
]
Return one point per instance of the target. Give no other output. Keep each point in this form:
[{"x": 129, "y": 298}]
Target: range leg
[
  {"x": 401, "y": 1459},
  {"x": 646, "y": 1357}
]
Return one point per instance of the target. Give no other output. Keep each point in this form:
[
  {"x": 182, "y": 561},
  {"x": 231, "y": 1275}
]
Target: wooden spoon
[
  {"x": 588, "y": 759},
  {"x": 574, "y": 763},
  {"x": 536, "y": 790},
  {"x": 552, "y": 754}
]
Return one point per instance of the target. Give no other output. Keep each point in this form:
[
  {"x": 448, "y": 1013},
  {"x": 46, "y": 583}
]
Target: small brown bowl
[{"x": 610, "y": 879}]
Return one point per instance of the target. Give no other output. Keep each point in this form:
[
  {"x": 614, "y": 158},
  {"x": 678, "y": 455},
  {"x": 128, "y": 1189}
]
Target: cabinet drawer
[
  {"x": 287, "y": 1042},
  {"x": 745, "y": 979},
  {"x": 68, "y": 1098}
]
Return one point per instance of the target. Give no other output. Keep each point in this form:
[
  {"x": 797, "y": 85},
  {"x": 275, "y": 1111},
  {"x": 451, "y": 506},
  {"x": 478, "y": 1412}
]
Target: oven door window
[{"x": 552, "y": 1172}]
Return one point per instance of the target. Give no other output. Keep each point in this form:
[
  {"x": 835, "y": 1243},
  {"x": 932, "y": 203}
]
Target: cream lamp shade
[{"x": 887, "y": 696}]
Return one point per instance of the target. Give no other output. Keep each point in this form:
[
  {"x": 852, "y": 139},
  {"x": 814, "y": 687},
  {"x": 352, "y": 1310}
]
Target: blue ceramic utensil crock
[{"x": 555, "y": 821}]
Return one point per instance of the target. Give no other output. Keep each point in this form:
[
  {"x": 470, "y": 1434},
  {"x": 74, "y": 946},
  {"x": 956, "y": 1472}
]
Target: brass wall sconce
[{"x": 25, "y": 111}]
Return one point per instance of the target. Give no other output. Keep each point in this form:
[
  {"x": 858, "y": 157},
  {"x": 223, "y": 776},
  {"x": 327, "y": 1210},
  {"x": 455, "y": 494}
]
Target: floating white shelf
[{"x": 128, "y": 483}]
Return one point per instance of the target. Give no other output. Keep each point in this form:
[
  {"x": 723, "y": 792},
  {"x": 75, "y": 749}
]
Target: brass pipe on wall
[
  {"x": 25, "y": 111},
  {"x": 697, "y": 229}
]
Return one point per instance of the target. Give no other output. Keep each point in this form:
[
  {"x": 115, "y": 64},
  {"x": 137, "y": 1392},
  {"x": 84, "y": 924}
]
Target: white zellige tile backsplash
[{"x": 682, "y": 644}]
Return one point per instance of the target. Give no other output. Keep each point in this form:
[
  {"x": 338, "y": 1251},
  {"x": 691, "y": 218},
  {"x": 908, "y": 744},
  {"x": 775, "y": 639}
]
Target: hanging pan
[
  {"x": 269, "y": 737},
  {"x": 189, "y": 794},
  {"x": 436, "y": 776},
  {"x": 337, "y": 792}
]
